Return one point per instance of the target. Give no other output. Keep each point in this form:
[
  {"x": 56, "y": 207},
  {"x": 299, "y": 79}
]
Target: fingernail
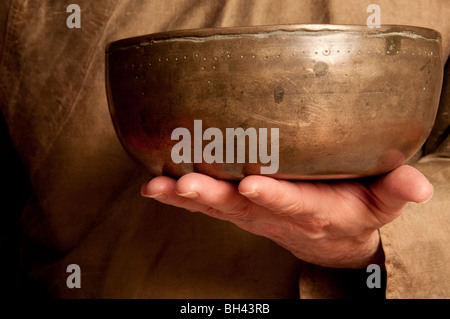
[
  {"x": 159, "y": 196},
  {"x": 429, "y": 198},
  {"x": 191, "y": 195},
  {"x": 251, "y": 194}
]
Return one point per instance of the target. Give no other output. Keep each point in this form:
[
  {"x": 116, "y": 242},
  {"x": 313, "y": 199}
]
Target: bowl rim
[{"x": 216, "y": 33}]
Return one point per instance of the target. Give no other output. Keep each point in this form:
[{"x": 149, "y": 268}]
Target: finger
[
  {"x": 284, "y": 197},
  {"x": 218, "y": 194},
  {"x": 394, "y": 190},
  {"x": 162, "y": 188}
]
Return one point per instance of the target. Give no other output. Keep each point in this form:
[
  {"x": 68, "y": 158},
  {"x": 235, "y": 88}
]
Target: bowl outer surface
[{"x": 347, "y": 101}]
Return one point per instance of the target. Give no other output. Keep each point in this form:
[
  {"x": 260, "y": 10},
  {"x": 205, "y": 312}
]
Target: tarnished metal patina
[{"x": 349, "y": 101}]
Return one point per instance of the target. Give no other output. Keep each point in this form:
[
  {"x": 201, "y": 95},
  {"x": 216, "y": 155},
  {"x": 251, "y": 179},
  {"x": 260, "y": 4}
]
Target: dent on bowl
[{"x": 348, "y": 101}]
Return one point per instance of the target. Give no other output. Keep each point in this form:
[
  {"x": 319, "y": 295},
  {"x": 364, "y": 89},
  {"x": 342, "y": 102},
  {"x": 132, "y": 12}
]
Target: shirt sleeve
[{"x": 416, "y": 245}]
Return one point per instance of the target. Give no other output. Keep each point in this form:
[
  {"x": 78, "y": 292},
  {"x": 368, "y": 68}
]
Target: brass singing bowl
[{"x": 348, "y": 101}]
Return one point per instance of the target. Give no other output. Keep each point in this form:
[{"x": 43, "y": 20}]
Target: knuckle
[
  {"x": 215, "y": 213},
  {"x": 271, "y": 229},
  {"x": 313, "y": 227},
  {"x": 291, "y": 209},
  {"x": 285, "y": 207},
  {"x": 241, "y": 211}
]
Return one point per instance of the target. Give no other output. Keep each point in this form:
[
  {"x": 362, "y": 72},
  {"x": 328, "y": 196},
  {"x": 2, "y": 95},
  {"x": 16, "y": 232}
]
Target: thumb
[{"x": 402, "y": 185}]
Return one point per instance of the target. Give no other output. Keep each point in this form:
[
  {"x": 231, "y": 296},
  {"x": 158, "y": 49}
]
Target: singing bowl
[{"x": 348, "y": 101}]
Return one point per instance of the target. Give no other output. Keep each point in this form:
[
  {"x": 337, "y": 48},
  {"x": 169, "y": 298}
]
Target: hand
[{"x": 329, "y": 223}]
